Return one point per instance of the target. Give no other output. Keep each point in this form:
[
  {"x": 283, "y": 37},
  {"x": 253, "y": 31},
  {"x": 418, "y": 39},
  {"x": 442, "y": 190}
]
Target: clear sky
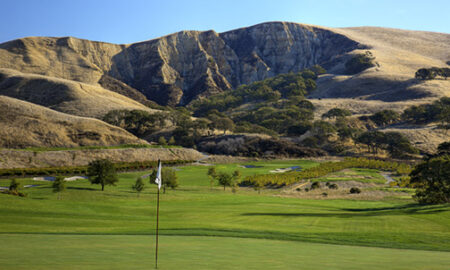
[{"x": 130, "y": 21}]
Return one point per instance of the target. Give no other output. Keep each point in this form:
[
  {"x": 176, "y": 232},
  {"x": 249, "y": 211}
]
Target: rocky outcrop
[{"x": 177, "y": 68}]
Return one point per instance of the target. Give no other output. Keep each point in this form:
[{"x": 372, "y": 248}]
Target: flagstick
[{"x": 157, "y": 226}]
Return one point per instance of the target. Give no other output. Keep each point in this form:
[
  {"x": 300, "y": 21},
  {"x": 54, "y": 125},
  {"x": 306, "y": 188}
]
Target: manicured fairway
[
  {"x": 106, "y": 229},
  {"x": 192, "y": 252}
]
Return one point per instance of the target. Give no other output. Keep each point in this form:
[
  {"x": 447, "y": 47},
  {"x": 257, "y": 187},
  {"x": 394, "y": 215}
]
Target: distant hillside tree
[
  {"x": 359, "y": 63},
  {"x": 385, "y": 117},
  {"x": 336, "y": 112}
]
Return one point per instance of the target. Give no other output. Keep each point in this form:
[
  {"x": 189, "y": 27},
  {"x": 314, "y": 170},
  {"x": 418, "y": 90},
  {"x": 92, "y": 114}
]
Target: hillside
[
  {"x": 180, "y": 67},
  {"x": 23, "y": 124},
  {"x": 90, "y": 78},
  {"x": 62, "y": 95}
]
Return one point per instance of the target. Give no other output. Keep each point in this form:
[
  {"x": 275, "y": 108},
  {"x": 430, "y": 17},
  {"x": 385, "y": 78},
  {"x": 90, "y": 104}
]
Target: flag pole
[
  {"x": 158, "y": 181},
  {"x": 157, "y": 227}
]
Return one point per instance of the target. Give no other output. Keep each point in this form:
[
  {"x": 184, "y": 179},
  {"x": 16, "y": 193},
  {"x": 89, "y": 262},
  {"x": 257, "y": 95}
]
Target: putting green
[{"x": 192, "y": 252}]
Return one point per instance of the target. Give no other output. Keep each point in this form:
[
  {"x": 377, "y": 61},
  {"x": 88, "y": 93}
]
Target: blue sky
[{"x": 130, "y": 21}]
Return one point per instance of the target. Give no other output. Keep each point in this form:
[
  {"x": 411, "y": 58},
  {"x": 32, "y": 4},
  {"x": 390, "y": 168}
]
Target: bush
[
  {"x": 315, "y": 185},
  {"x": 333, "y": 186},
  {"x": 325, "y": 194},
  {"x": 359, "y": 62},
  {"x": 355, "y": 190}
]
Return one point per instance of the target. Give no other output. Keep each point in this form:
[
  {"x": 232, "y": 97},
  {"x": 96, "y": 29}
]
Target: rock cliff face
[{"x": 178, "y": 68}]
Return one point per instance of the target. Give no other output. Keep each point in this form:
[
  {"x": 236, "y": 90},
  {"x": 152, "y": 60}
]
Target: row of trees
[
  {"x": 432, "y": 73},
  {"x": 224, "y": 179},
  {"x": 397, "y": 145}
]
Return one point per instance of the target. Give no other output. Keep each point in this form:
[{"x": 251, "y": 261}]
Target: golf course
[{"x": 203, "y": 226}]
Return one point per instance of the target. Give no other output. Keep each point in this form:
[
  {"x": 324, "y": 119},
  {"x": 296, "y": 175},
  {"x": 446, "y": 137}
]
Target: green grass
[
  {"x": 191, "y": 252},
  {"x": 87, "y": 220},
  {"x": 196, "y": 175}
]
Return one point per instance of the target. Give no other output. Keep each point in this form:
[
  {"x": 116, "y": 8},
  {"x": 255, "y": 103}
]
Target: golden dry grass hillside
[
  {"x": 63, "y": 95},
  {"x": 23, "y": 124},
  {"x": 399, "y": 54}
]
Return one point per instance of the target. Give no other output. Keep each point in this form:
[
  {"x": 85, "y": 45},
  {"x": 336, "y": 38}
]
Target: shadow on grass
[
  {"x": 415, "y": 209},
  {"x": 82, "y": 188}
]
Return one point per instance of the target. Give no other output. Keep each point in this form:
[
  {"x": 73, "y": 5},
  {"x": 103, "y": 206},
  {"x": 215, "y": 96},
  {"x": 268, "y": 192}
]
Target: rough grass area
[
  {"x": 90, "y": 229},
  {"x": 199, "y": 252},
  {"x": 354, "y": 174}
]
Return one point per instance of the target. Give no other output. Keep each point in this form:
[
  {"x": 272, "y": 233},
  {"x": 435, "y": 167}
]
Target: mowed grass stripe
[{"x": 192, "y": 252}]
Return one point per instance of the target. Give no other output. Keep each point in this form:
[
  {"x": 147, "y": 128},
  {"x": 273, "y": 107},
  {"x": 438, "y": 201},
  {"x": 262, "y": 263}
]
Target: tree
[
  {"x": 212, "y": 174},
  {"x": 385, "y": 117},
  {"x": 323, "y": 130},
  {"x": 169, "y": 179},
  {"x": 102, "y": 172},
  {"x": 59, "y": 186},
  {"x": 398, "y": 145},
  {"x": 171, "y": 141},
  {"x": 432, "y": 180},
  {"x": 425, "y": 74},
  {"x": 162, "y": 141},
  {"x": 14, "y": 186},
  {"x": 336, "y": 112},
  {"x": 258, "y": 186},
  {"x": 373, "y": 139},
  {"x": 138, "y": 186},
  {"x": 225, "y": 180},
  {"x": 444, "y": 149}
]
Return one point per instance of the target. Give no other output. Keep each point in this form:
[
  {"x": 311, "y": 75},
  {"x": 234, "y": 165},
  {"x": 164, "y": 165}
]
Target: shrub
[
  {"x": 355, "y": 190},
  {"x": 315, "y": 185},
  {"x": 333, "y": 186},
  {"x": 359, "y": 62},
  {"x": 325, "y": 194}
]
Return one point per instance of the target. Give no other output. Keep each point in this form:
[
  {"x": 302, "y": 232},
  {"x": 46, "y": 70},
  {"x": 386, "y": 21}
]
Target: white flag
[{"x": 158, "y": 179}]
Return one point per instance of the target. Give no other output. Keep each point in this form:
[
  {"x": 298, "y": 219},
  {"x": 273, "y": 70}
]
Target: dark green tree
[
  {"x": 225, "y": 179},
  {"x": 102, "y": 172},
  {"x": 385, "y": 117},
  {"x": 432, "y": 180},
  {"x": 336, "y": 112},
  {"x": 138, "y": 186},
  {"x": 425, "y": 74},
  {"x": 398, "y": 145},
  {"x": 14, "y": 186}
]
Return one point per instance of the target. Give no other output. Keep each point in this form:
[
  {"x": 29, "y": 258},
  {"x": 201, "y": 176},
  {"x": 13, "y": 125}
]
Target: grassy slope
[{"x": 195, "y": 210}]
